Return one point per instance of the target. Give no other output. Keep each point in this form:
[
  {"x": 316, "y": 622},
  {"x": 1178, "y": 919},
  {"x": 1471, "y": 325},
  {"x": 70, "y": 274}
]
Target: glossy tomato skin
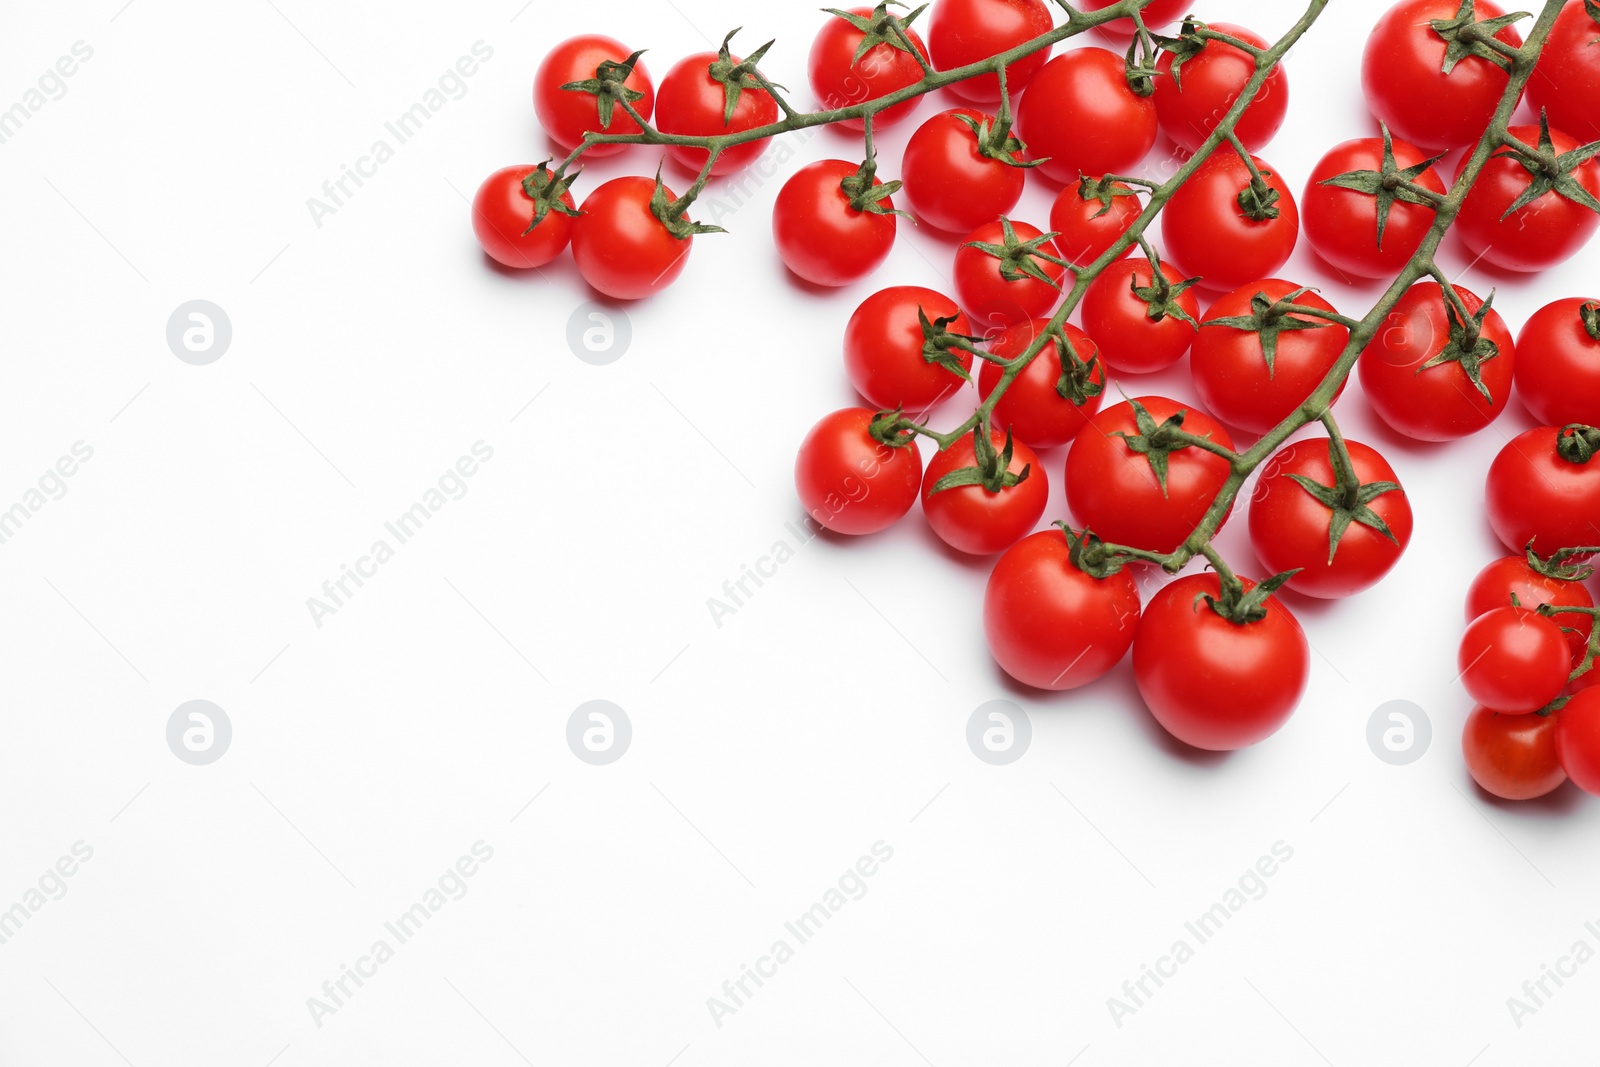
[
  {"x": 1157, "y": 15},
  {"x": 1215, "y": 684},
  {"x": 1289, "y": 528},
  {"x": 1558, "y": 364},
  {"x": 838, "y": 80},
  {"x": 501, "y": 214},
  {"x": 620, "y": 247},
  {"x": 1120, "y": 322},
  {"x": 1207, "y": 233},
  {"x": 1342, "y": 224},
  {"x": 973, "y": 520},
  {"x": 1513, "y": 660},
  {"x": 1510, "y": 577},
  {"x": 969, "y": 31},
  {"x": 1113, "y": 491},
  {"x": 567, "y": 115},
  {"x": 692, "y": 103},
  {"x": 1536, "y": 236},
  {"x": 1578, "y": 740},
  {"x": 851, "y": 483},
  {"x": 820, "y": 236},
  {"x": 1080, "y": 117},
  {"x": 1086, "y": 229},
  {"x": 1404, "y": 83},
  {"x": 1051, "y": 626},
  {"x": 1536, "y": 495},
  {"x": 1566, "y": 83},
  {"x": 1439, "y": 403},
  {"x": 883, "y": 349},
  {"x": 1035, "y": 412},
  {"x": 990, "y": 300},
  {"x": 1230, "y": 368},
  {"x": 1209, "y": 83},
  {"x": 1513, "y": 757},
  {"x": 949, "y": 183}
]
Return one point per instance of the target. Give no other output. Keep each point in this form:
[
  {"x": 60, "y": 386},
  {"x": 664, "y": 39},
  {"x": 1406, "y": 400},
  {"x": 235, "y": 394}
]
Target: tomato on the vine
[
  {"x": 983, "y": 512},
  {"x": 1079, "y": 117},
  {"x": 1007, "y": 272},
  {"x": 1227, "y": 228},
  {"x": 710, "y": 94},
  {"x": 1140, "y": 327},
  {"x": 1566, "y": 83},
  {"x": 955, "y": 177},
  {"x": 1157, "y": 15},
  {"x": 1192, "y": 100},
  {"x": 969, "y": 31},
  {"x": 821, "y": 230},
  {"x": 1544, "y": 488},
  {"x": 503, "y": 214},
  {"x": 1578, "y": 740},
  {"x": 1354, "y": 220},
  {"x": 1550, "y": 222},
  {"x": 1513, "y": 660},
  {"x": 1558, "y": 363},
  {"x": 1513, "y": 757},
  {"x": 839, "y": 79},
  {"x": 604, "y": 63},
  {"x": 622, "y": 247},
  {"x": 1086, "y": 226},
  {"x": 849, "y": 481},
  {"x": 1511, "y": 581},
  {"x": 890, "y": 339},
  {"x": 1048, "y": 403}
]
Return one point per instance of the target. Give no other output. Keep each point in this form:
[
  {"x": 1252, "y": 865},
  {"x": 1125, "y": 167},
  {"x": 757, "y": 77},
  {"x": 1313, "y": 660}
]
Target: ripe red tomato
[
  {"x": 1213, "y": 683},
  {"x": 1578, "y": 740},
  {"x": 1511, "y": 578},
  {"x": 621, "y": 247},
  {"x": 1050, "y": 625},
  {"x": 1033, "y": 406},
  {"x": 1513, "y": 757},
  {"x": 567, "y": 114},
  {"x": 969, "y": 31},
  {"x": 1513, "y": 660},
  {"x": 1080, "y": 117},
  {"x": 1207, "y": 85},
  {"x": 693, "y": 103},
  {"x": 820, "y": 235},
  {"x": 1086, "y": 228},
  {"x": 850, "y": 482},
  {"x": 886, "y": 348},
  {"x": 950, "y": 182},
  {"x": 1133, "y": 336},
  {"x": 1441, "y": 402},
  {"x": 1235, "y": 379},
  {"x": 502, "y": 219},
  {"x": 1119, "y": 494},
  {"x": 1566, "y": 83},
  {"x": 1207, "y": 232},
  {"x": 1539, "y": 235},
  {"x": 840, "y": 80},
  {"x": 1156, "y": 15},
  {"x": 1558, "y": 363},
  {"x": 1292, "y": 523},
  {"x": 994, "y": 301},
  {"x": 1404, "y": 81},
  {"x": 1342, "y": 223},
  {"x": 973, "y": 519},
  {"x": 1534, "y": 494}
]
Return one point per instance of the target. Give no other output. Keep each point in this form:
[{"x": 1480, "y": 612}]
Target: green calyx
[
  {"x": 892, "y": 428},
  {"x": 993, "y": 470},
  {"x": 1578, "y": 443},
  {"x": 1349, "y": 500},
  {"x": 1020, "y": 259},
  {"x": 736, "y": 76},
  {"x": 1156, "y": 442},
  {"x": 1268, "y": 319},
  {"x": 1077, "y": 382},
  {"x": 1259, "y": 200},
  {"x": 868, "y": 195},
  {"x": 1161, "y": 296},
  {"x": 673, "y": 214},
  {"x": 879, "y": 27},
  {"x": 1184, "y": 47},
  {"x": 607, "y": 87},
  {"x": 1104, "y": 190},
  {"x": 1557, "y": 566},
  {"x": 939, "y": 345},
  {"x": 1589, "y": 315},
  {"x": 1388, "y": 184},
  {"x": 1243, "y": 607},
  {"x": 1466, "y": 36},
  {"x": 1089, "y": 554},
  {"x": 546, "y": 191},
  {"x": 1551, "y": 173},
  {"x": 1467, "y": 346},
  {"x": 995, "y": 139}
]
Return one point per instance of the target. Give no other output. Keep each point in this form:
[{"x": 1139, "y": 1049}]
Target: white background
[{"x": 829, "y": 713}]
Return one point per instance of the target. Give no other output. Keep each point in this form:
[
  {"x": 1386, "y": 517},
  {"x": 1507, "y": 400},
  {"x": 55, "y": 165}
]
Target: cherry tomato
[
  {"x": 991, "y": 300},
  {"x": 1534, "y": 494},
  {"x": 1116, "y": 492},
  {"x": 820, "y": 235},
  {"x": 1231, "y": 371},
  {"x": 621, "y": 248},
  {"x": 1156, "y": 15},
  {"x": 850, "y": 482},
  {"x": 1558, "y": 363},
  {"x": 1513, "y": 660},
  {"x": 885, "y": 348},
  {"x": 1050, "y": 625},
  {"x": 1438, "y": 403},
  {"x": 1133, "y": 336},
  {"x": 502, "y": 219},
  {"x": 1511, "y": 582},
  {"x": 949, "y": 181},
  {"x": 567, "y": 114},
  {"x": 1514, "y": 757},
  {"x": 1213, "y": 683},
  {"x": 1080, "y": 117},
  {"x": 1539, "y": 235},
  {"x": 1086, "y": 229},
  {"x": 1403, "y": 78},
  {"x": 970, "y": 518},
  {"x": 969, "y": 31},
  {"x": 1208, "y": 84},
  {"x": 1291, "y": 523},
  {"x": 1342, "y": 223},
  {"x": 1566, "y": 83},
  {"x": 1207, "y": 231},
  {"x": 840, "y": 80},
  {"x": 692, "y": 103},
  {"x": 1578, "y": 740},
  {"x": 1033, "y": 406}
]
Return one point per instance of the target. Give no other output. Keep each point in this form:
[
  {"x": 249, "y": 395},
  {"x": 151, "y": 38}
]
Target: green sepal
[
  {"x": 1388, "y": 184},
  {"x": 1268, "y": 319},
  {"x": 878, "y": 28},
  {"x": 1076, "y": 383},
  {"x": 1243, "y": 608},
  {"x": 1562, "y": 572},
  {"x": 1589, "y": 315},
  {"x": 607, "y": 86},
  {"x": 671, "y": 214},
  {"x": 546, "y": 190},
  {"x": 996, "y": 140},
  {"x": 892, "y": 428},
  {"x": 1577, "y": 443},
  {"x": 1154, "y": 441},
  {"x": 1467, "y": 345},
  {"x": 1019, "y": 259},
  {"x": 1464, "y": 36},
  {"x": 1184, "y": 47},
  {"x": 937, "y": 342},
  {"x": 735, "y": 78},
  {"x": 1104, "y": 190},
  {"x": 993, "y": 470},
  {"x": 1348, "y": 503},
  {"x": 1089, "y": 554},
  {"x": 867, "y": 195},
  {"x": 1160, "y": 296},
  {"x": 1552, "y": 173}
]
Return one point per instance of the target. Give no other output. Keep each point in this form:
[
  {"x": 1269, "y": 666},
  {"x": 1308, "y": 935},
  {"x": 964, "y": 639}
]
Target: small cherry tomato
[
  {"x": 974, "y": 518},
  {"x": 1513, "y": 757},
  {"x": 839, "y": 79},
  {"x": 1544, "y": 488},
  {"x": 1007, "y": 272},
  {"x": 970, "y": 31},
  {"x": 1513, "y": 660},
  {"x": 1558, "y": 363},
  {"x": 1346, "y": 196},
  {"x": 850, "y": 482},
  {"x": 1086, "y": 227},
  {"x": 951, "y": 180},
  {"x": 621, "y": 247},
  {"x": 1578, "y": 740},
  {"x": 502, "y": 220},
  {"x": 1566, "y": 83},
  {"x": 1542, "y": 232},
  {"x": 1038, "y": 406},
  {"x": 1207, "y": 84},
  {"x": 567, "y": 114},
  {"x": 821, "y": 235},
  {"x": 693, "y": 101},
  {"x": 1138, "y": 329},
  {"x": 1216, "y": 226},
  {"x": 886, "y": 348},
  {"x": 1079, "y": 117}
]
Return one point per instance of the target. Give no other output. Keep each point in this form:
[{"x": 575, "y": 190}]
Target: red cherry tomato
[
  {"x": 1080, "y": 117},
  {"x": 820, "y": 235},
  {"x": 993, "y": 301},
  {"x": 1511, "y": 582},
  {"x": 1438, "y": 403},
  {"x": 1342, "y": 224},
  {"x": 840, "y": 80},
  {"x": 1513, "y": 757},
  {"x": 1157, "y": 15},
  {"x": 885, "y": 348},
  {"x": 1558, "y": 363},
  {"x": 1213, "y": 683},
  {"x": 1566, "y": 83},
  {"x": 621, "y": 248},
  {"x": 970, "y": 518},
  {"x": 949, "y": 182},
  {"x": 1208, "y": 84},
  {"x": 1578, "y": 740},
  {"x": 850, "y": 482},
  {"x": 1130, "y": 338},
  {"x": 1208, "y": 233},
  {"x": 568, "y": 114},
  {"x": 1086, "y": 229},
  {"x": 502, "y": 219},
  {"x": 1539, "y": 235},
  {"x": 1050, "y": 625},
  {"x": 1033, "y": 406},
  {"x": 1536, "y": 495},
  {"x": 692, "y": 103},
  {"x": 1513, "y": 660},
  {"x": 969, "y": 31}
]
